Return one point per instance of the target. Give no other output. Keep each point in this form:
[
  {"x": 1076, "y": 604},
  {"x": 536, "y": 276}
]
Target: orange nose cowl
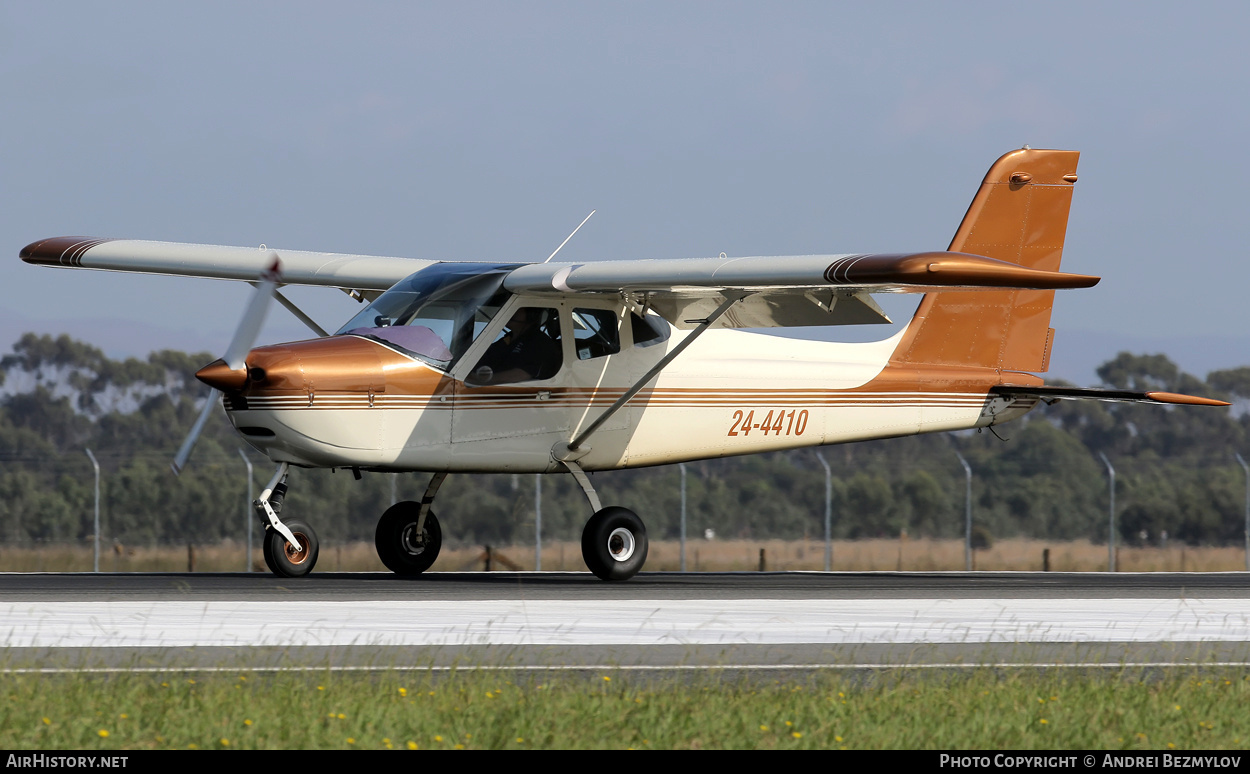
[{"x": 220, "y": 376}]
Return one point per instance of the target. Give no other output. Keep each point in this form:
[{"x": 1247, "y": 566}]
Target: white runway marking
[{"x": 621, "y": 622}]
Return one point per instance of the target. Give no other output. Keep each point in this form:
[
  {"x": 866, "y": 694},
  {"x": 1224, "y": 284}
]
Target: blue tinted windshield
[{"x": 435, "y": 314}]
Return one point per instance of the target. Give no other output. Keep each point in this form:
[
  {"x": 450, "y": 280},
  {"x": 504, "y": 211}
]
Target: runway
[{"x": 657, "y": 621}]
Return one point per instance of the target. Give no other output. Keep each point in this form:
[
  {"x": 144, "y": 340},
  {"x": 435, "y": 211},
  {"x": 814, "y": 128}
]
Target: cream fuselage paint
[{"x": 352, "y": 402}]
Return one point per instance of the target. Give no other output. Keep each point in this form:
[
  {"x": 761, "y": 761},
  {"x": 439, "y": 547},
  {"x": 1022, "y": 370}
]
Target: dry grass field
[{"x": 701, "y": 556}]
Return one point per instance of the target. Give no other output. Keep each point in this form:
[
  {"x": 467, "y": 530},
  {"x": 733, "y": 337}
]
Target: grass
[
  {"x": 985, "y": 709},
  {"x": 701, "y": 555}
]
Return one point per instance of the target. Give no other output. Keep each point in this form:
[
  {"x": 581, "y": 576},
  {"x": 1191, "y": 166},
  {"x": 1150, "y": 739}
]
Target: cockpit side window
[
  {"x": 596, "y": 333},
  {"x": 528, "y": 349}
]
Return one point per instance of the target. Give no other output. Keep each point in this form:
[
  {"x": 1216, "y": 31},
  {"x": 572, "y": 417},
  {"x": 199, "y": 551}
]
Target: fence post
[
  {"x": 682, "y": 467},
  {"x": 1110, "y": 516},
  {"x": 95, "y": 562},
  {"x": 247, "y": 512},
  {"x": 1246, "y": 468},
  {"x": 828, "y": 512},
  {"x": 538, "y": 521},
  {"x": 967, "y": 512}
]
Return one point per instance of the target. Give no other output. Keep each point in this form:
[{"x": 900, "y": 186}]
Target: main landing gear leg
[
  {"x": 408, "y": 537},
  {"x": 290, "y": 548},
  {"x": 614, "y": 540}
]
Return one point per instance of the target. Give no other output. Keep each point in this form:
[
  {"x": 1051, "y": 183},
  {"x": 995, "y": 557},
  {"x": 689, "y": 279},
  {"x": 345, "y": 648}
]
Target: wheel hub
[
  {"x": 293, "y": 556},
  {"x": 412, "y": 541},
  {"x": 621, "y": 544}
]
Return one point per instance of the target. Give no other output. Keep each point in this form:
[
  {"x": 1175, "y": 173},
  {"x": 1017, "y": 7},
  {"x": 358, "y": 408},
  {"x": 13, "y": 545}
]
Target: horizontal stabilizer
[{"x": 1051, "y": 394}]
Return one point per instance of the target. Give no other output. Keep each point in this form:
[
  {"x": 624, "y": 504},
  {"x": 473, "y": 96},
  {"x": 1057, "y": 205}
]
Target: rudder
[{"x": 1019, "y": 215}]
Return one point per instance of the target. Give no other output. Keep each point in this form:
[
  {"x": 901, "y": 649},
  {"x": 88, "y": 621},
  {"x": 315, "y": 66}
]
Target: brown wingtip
[
  {"x": 59, "y": 251},
  {"x": 1185, "y": 400}
]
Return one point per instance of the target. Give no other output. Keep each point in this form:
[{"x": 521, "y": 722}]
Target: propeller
[{"x": 236, "y": 353}]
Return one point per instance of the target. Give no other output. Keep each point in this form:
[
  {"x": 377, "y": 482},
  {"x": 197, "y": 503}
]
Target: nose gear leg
[{"x": 269, "y": 504}]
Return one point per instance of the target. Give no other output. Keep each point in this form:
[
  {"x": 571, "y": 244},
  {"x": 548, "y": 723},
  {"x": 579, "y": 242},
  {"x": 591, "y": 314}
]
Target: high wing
[
  {"x": 806, "y": 290},
  {"x": 362, "y": 273},
  {"x": 786, "y": 290}
]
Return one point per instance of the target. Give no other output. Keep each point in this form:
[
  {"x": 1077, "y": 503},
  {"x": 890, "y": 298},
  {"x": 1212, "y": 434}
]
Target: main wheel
[
  {"x": 614, "y": 544},
  {"x": 397, "y": 542},
  {"x": 281, "y": 557}
]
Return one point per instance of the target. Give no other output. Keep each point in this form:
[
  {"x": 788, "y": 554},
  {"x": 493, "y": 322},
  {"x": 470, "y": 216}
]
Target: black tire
[
  {"x": 264, "y": 549},
  {"x": 285, "y": 562},
  {"x": 395, "y": 540},
  {"x": 614, "y": 544}
]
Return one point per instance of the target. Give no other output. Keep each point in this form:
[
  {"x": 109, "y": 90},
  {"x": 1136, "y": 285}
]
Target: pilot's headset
[{"x": 549, "y": 323}]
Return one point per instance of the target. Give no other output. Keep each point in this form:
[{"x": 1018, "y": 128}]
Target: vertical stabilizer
[{"x": 1020, "y": 215}]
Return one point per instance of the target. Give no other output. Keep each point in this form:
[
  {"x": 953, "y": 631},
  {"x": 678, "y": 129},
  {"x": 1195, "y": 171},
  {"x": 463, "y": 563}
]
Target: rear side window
[
  {"x": 651, "y": 330},
  {"x": 595, "y": 333}
]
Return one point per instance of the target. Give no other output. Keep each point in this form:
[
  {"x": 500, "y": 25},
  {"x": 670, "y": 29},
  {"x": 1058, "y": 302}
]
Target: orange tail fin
[{"x": 1020, "y": 214}]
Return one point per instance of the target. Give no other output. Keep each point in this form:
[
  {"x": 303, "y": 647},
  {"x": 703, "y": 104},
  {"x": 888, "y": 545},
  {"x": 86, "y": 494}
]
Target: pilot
[{"x": 526, "y": 352}]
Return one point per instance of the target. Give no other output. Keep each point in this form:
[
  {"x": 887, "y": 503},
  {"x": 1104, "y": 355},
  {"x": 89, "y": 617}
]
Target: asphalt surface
[
  {"x": 645, "y": 586},
  {"x": 767, "y": 660}
]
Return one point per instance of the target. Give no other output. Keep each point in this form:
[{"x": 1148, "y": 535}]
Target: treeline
[{"x": 1176, "y": 471}]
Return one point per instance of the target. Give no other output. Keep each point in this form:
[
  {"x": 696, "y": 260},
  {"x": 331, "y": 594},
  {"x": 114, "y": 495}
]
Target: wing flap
[
  {"x": 782, "y": 309},
  {"x": 352, "y": 272}
]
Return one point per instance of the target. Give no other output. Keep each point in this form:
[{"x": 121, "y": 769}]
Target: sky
[{"x": 488, "y": 130}]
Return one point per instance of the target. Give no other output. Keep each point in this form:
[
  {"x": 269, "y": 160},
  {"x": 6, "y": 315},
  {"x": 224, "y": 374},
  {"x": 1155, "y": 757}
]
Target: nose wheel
[
  {"x": 614, "y": 544},
  {"x": 403, "y": 548},
  {"x": 284, "y": 559}
]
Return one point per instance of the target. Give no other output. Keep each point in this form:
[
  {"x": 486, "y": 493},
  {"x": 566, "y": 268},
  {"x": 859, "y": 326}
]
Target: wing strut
[
  {"x": 295, "y": 310},
  {"x": 569, "y": 451}
]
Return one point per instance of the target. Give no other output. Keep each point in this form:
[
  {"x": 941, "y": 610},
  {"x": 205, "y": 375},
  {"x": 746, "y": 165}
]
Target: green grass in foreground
[{"x": 408, "y": 710}]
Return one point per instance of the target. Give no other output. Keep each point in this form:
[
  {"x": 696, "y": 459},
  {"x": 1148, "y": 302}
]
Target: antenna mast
[{"x": 570, "y": 236}]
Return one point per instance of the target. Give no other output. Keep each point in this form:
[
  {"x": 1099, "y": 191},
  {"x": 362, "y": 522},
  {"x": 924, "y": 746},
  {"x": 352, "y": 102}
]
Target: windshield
[{"x": 435, "y": 314}]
